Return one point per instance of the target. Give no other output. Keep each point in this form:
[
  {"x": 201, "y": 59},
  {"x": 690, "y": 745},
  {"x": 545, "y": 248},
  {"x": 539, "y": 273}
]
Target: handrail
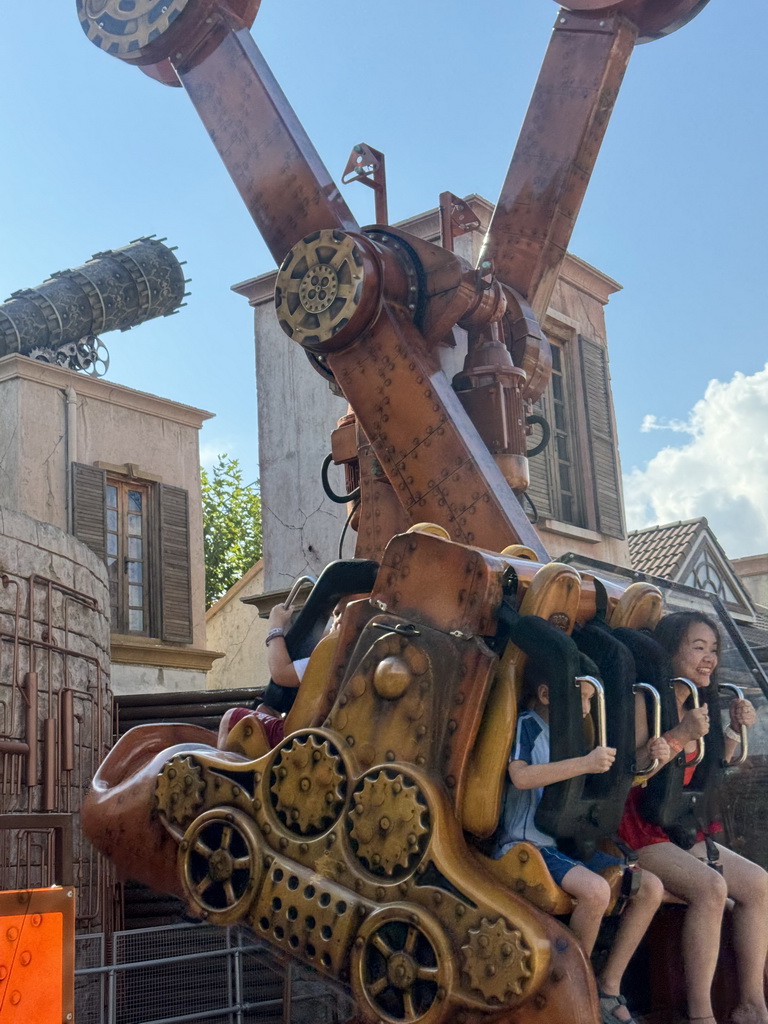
[
  {"x": 651, "y": 692},
  {"x": 743, "y": 739},
  {"x": 696, "y": 703},
  {"x": 602, "y": 730},
  {"x": 298, "y": 584}
]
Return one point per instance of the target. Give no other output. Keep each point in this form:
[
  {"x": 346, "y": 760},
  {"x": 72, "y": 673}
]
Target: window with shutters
[
  {"x": 127, "y": 513},
  {"x": 576, "y": 478},
  {"x": 141, "y": 530}
]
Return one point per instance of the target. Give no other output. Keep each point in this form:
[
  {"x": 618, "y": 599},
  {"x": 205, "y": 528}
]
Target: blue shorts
[{"x": 559, "y": 865}]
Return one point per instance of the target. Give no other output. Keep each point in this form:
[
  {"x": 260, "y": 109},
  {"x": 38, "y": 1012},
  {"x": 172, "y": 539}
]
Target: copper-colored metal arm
[
  {"x": 276, "y": 169},
  {"x": 577, "y": 87},
  {"x": 440, "y": 468}
]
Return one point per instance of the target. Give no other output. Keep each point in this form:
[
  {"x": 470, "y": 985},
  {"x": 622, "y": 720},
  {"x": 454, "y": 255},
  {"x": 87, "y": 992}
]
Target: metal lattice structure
[{"x": 55, "y": 727}]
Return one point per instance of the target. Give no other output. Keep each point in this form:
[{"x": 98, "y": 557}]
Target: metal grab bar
[
  {"x": 696, "y": 703},
  {"x": 602, "y": 730},
  {"x": 298, "y": 584},
  {"x": 739, "y": 694},
  {"x": 651, "y": 692}
]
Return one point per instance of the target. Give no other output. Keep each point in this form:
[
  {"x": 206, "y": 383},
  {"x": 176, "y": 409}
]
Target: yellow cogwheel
[
  {"x": 179, "y": 790},
  {"x": 308, "y": 784},
  {"x": 497, "y": 960},
  {"x": 389, "y": 823}
]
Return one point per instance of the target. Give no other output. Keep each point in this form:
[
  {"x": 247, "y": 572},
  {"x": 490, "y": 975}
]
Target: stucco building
[{"x": 120, "y": 470}]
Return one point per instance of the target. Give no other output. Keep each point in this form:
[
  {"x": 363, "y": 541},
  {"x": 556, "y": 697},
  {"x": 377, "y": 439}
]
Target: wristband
[
  {"x": 674, "y": 745},
  {"x": 731, "y": 734},
  {"x": 271, "y": 635}
]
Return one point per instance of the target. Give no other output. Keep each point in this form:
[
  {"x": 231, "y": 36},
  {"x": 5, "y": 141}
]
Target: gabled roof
[
  {"x": 688, "y": 552},
  {"x": 662, "y": 550}
]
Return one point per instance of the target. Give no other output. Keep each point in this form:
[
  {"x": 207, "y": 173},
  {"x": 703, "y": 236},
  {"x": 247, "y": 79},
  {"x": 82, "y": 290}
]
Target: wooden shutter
[
  {"x": 174, "y": 569},
  {"x": 601, "y": 439},
  {"x": 540, "y": 487},
  {"x": 89, "y": 498}
]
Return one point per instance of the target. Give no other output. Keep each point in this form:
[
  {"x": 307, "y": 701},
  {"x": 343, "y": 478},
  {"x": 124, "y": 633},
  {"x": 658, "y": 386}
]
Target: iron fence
[{"x": 195, "y": 972}]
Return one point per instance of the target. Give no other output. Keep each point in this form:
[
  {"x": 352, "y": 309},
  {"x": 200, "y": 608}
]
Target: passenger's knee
[
  {"x": 712, "y": 892},
  {"x": 650, "y": 889},
  {"x": 596, "y": 894}
]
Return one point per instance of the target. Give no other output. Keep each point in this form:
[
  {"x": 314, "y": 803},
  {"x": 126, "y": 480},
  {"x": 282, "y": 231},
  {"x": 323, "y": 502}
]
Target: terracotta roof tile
[{"x": 661, "y": 550}]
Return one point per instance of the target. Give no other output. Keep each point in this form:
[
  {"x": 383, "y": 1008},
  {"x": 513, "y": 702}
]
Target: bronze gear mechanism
[
  {"x": 149, "y": 31},
  {"x": 125, "y": 29},
  {"x": 308, "y": 784},
  {"x": 389, "y": 826},
  {"x": 328, "y": 290},
  {"x": 180, "y": 789},
  {"x": 220, "y": 864},
  {"x": 497, "y": 961},
  {"x": 402, "y": 966}
]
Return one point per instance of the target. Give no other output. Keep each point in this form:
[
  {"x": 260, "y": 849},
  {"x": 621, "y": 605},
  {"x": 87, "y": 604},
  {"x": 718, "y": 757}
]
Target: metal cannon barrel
[{"x": 115, "y": 290}]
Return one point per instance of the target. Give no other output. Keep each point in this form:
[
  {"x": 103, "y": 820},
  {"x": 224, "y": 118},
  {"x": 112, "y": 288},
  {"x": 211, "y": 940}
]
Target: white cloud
[
  {"x": 720, "y": 473},
  {"x": 651, "y": 422}
]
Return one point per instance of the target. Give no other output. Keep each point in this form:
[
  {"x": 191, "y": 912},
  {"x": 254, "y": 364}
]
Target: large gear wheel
[
  {"x": 221, "y": 864},
  {"x": 180, "y": 789},
  {"x": 308, "y": 784},
  {"x": 327, "y": 290},
  {"x": 497, "y": 961},
  {"x": 389, "y": 824},
  {"x": 403, "y": 967}
]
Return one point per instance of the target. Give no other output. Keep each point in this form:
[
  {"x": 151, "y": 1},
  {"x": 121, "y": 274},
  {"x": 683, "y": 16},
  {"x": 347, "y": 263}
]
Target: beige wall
[
  {"x": 236, "y": 629},
  {"x": 51, "y": 417},
  {"x": 753, "y": 573}
]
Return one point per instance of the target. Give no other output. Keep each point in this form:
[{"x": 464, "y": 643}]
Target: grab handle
[
  {"x": 650, "y": 692},
  {"x": 696, "y": 703},
  {"x": 739, "y": 695},
  {"x": 298, "y": 584},
  {"x": 602, "y": 730}
]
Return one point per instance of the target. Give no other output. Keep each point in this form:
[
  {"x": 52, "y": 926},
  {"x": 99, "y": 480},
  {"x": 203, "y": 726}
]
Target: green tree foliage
[{"x": 231, "y": 526}]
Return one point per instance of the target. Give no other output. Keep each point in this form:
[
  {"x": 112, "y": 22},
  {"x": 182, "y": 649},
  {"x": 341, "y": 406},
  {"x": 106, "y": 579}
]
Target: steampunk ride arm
[{"x": 351, "y": 845}]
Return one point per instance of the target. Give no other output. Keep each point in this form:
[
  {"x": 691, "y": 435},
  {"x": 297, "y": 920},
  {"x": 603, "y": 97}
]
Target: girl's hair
[{"x": 671, "y": 630}]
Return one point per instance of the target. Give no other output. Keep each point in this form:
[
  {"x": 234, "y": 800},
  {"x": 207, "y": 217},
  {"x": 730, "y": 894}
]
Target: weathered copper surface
[
  {"x": 284, "y": 184},
  {"x": 343, "y": 846},
  {"x": 569, "y": 111},
  {"x": 348, "y": 846},
  {"x": 653, "y": 18},
  {"x": 441, "y": 470}
]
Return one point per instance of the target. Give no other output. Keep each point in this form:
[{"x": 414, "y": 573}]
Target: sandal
[{"x": 609, "y": 1004}]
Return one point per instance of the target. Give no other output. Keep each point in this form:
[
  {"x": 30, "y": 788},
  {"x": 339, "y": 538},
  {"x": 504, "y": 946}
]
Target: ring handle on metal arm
[
  {"x": 298, "y": 584},
  {"x": 650, "y": 692},
  {"x": 739, "y": 695},
  {"x": 340, "y": 499},
  {"x": 695, "y": 700},
  {"x": 602, "y": 730}
]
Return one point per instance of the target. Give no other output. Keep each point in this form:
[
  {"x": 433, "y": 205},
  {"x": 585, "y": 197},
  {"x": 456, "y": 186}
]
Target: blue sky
[{"x": 96, "y": 154}]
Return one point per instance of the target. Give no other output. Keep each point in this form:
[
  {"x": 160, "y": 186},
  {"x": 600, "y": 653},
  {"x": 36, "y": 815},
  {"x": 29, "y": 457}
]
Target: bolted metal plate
[
  {"x": 653, "y": 18},
  {"x": 125, "y": 28}
]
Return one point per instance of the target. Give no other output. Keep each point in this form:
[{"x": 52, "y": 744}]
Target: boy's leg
[
  {"x": 592, "y": 894},
  {"x": 634, "y": 922}
]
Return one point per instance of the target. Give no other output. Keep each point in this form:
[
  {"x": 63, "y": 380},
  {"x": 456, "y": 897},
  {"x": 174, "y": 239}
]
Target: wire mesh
[{"x": 183, "y": 973}]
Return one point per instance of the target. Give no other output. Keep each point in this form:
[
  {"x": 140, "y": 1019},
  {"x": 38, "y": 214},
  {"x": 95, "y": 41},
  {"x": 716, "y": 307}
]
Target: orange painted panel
[{"x": 37, "y": 956}]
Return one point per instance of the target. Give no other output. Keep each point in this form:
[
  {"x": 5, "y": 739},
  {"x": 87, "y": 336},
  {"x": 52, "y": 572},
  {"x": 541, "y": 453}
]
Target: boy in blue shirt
[{"x": 530, "y": 770}]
